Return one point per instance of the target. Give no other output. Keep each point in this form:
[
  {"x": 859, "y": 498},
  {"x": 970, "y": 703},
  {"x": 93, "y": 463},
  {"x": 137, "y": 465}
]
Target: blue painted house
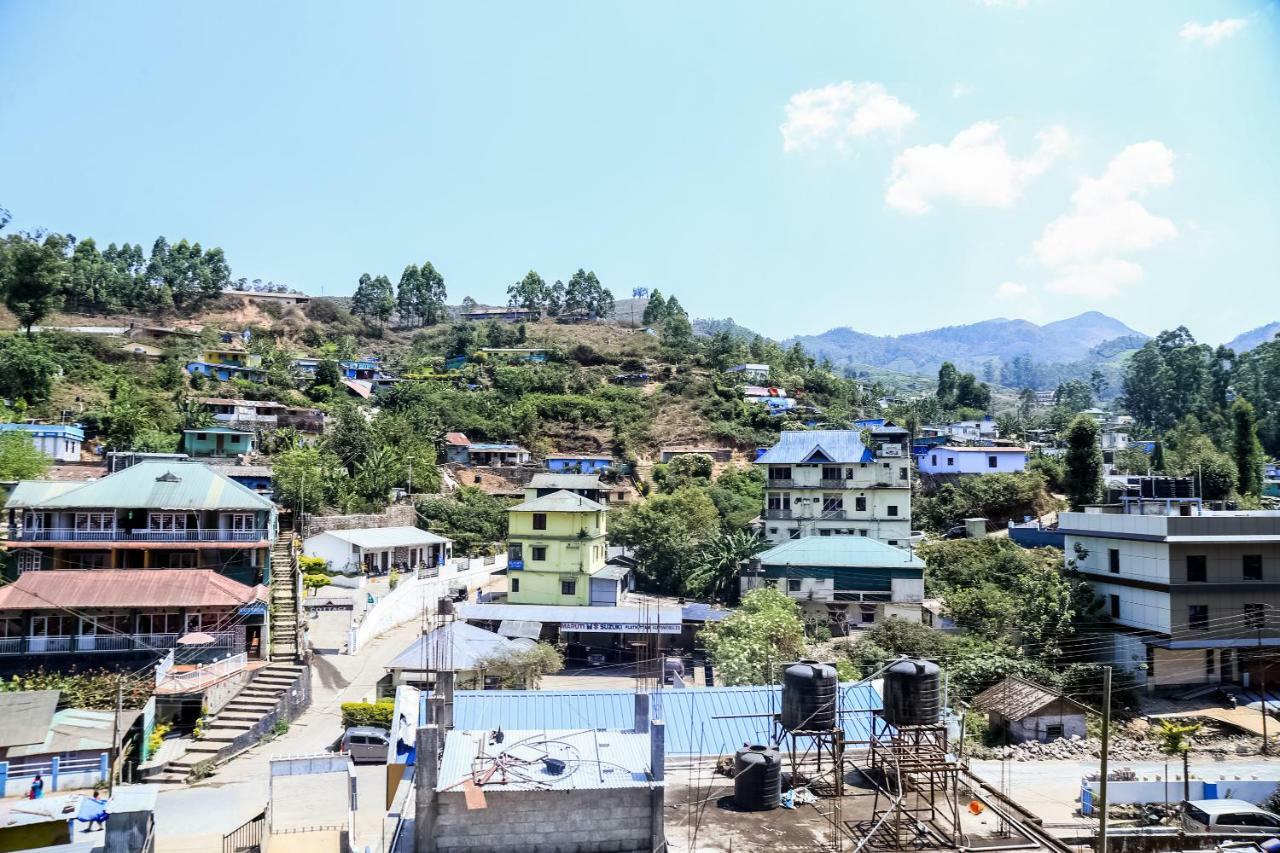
[
  {"x": 578, "y": 463},
  {"x": 60, "y": 441}
]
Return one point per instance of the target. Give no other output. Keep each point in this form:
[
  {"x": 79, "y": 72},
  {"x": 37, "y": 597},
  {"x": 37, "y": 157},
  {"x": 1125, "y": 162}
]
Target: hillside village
[{"x": 266, "y": 524}]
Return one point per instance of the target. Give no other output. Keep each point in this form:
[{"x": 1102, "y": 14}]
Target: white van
[{"x": 1228, "y": 816}]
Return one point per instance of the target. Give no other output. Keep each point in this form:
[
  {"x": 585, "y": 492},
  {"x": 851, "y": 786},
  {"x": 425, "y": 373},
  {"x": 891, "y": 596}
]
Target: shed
[
  {"x": 376, "y": 549},
  {"x": 455, "y": 647},
  {"x": 1027, "y": 711}
]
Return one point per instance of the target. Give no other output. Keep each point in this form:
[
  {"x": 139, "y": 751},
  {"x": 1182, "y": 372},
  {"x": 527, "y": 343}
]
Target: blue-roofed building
[
  {"x": 851, "y": 582},
  {"x": 60, "y": 441},
  {"x": 829, "y": 483}
]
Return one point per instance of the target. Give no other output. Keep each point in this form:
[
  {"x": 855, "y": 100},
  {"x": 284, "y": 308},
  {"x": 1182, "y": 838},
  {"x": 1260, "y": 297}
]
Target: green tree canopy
[
  {"x": 1083, "y": 461},
  {"x": 765, "y": 631}
]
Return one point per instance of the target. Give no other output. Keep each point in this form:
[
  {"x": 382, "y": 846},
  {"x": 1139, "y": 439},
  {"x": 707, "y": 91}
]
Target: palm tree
[
  {"x": 1175, "y": 739},
  {"x": 381, "y": 469},
  {"x": 718, "y": 564}
]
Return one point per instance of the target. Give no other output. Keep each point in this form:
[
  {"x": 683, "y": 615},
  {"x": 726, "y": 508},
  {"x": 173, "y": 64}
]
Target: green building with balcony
[{"x": 556, "y": 551}]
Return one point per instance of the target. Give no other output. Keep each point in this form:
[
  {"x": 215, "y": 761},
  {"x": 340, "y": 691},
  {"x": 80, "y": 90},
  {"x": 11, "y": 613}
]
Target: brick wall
[
  {"x": 609, "y": 820},
  {"x": 400, "y": 515}
]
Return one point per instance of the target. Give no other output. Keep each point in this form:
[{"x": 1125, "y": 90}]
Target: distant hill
[
  {"x": 708, "y": 327},
  {"x": 1250, "y": 339},
  {"x": 971, "y": 347}
]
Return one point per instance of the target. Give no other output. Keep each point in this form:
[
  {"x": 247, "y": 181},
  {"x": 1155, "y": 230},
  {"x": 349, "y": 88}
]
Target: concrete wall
[
  {"x": 939, "y": 460},
  {"x": 411, "y": 598},
  {"x": 400, "y": 515},
  {"x": 1036, "y": 728},
  {"x": 603, "y": 821},
  {"x": 217, "y": 696},
  {"x": 1157, "y": 790}
]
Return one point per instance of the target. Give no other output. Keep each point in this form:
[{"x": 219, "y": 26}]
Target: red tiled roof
[
  {"x": 126, "y": 588},
  {"x": 457, "y": 439}
]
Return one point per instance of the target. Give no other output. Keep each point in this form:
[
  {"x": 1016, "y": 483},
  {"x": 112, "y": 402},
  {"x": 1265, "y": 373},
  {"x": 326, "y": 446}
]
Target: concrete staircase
[
  {"x": 257, "y": 699},
  {"x": 285, "y": 607}
]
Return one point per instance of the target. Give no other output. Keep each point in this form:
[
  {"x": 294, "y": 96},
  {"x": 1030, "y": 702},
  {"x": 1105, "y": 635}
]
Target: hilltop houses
[
  {"x": 62, "y": 442},
  {"x": 950, "y": 459},
  {"x": 463, "y": 451}
]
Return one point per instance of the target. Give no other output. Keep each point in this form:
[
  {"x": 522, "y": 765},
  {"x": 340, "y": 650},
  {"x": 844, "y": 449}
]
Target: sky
[{"x": 890, "y": 166}]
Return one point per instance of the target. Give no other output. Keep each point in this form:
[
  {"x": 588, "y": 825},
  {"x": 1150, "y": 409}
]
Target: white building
[
  {"x": 973, "y": 460},
  {"x": 828, "y": 483},
  {"x": 974, "y": 430},
  {"x": 378, "y": 549},
  {"x": 60, "y": 441},
  {"x": 756, "y": 372}
]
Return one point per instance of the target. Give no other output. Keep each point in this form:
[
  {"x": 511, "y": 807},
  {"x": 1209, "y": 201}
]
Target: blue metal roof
[
  {"x": 817, "y": 446},
  {"x": 68, "y": 430},
  {"x": 699, "y": 720}
]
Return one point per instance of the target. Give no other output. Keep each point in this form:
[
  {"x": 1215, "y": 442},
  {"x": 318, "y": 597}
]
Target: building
[
  {"x": 256, "y": 478},
  {"x": 974, "y": 430},
  {"x": 461, "y": 450},
  {"x": 1023, "y": 711},
  {"x": 753, "y": 372},
  {"x": 149, "y": 352},
  {"x": 310, "y": 804},
  {"x": 556, "y": 550},
  {"x": 508, "y": 313},
  {"x": 583, "y": 485},
  {"x": 578, "y": 463},
  {"x": 717, "y": 454},
  {"x": 774, "y": 399},
  {"x": 376, "y": 550},
  {"x": 827, "y": 483},
  {"x": 599, "y": 633},
  {"x": 948, "y": 459},
  {"x": 70, "y": 748},
  {"x": 1193, "y": 594},
  {"x": 218, "y": 441},
  {"x": 850, "y": 582},
  {"x": 226, "y": 372},
  {"x": 251, "y": 414},
  {"x": 453, "y": 647},
  {"x": 62, "y": 442},
  {"x": 268, "y": 297},
  {"x": 527, "y": 355},
  {"x": 151, "y": 515}
]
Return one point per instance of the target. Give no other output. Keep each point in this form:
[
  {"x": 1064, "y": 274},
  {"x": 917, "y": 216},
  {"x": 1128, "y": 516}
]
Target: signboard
[
  {"x": 258, "y": 609},
  {"x": 621, "y": 627}
]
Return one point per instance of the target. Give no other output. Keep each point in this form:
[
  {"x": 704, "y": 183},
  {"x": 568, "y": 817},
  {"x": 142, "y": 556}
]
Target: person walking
[{"x": 37, "y": 787}]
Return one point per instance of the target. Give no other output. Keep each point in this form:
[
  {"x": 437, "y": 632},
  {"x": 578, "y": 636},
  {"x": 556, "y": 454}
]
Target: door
[
  {"x": 39, "y": 641},
  {"x": 87, "y": 640}
]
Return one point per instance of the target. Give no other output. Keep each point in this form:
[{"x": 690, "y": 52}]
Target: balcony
[
  {"x": 85, "y": 643},
  {"x": 780, "y": 483},
  {"x": 832, "y": 515},
  {"x": 71, "y": 534},
  {"x": 778, "y": 514},
  {"x": 838, "y": 483}
]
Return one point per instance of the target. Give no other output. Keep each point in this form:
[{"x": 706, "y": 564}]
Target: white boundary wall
[{"x": 414, "y": 596}]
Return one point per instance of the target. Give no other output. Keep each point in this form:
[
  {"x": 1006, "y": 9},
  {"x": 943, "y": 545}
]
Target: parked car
[
  {"x": 1228, "y": 816},
  {"x": 366, "y": 744},
  {"x": 957, "y": 532}
]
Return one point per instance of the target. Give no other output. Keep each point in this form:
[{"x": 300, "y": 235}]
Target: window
[
  {"x": 95, "y": 521},
  {"x": 539, "y": 552},
  {"x": 824, "y": 532},
  {"x": 1255, "y": 615},
  {"x": 832, "y": 503},
  {"x": 951, "y": 460},
  {"x": 1198, "y": 617},
  {"x": 568, "y": 587},
  {"x": 993, "y": 461},
  {"x": 177, "y": 560},
  {"x": 202, "y": 436},
  {"x": 1210, "y": 663},
  {"x": 1252, "y": 567},
  {"x": 1054, "y": 731},
  {"x": 793, "y": 533},
  {"x": 1196, "y": 572},
  {"x": 167, "y": 521},
  {"x": 868, "y": 614},
  {"x": 933, "y": 460},
  {"x": 902, "y": 473},
  {"x": 28, "y": 561},
  {"x": 893, "y": 541},
  {"x": 794, "y": 584},
  {"x": 862, "y": 531},
  {"x": 831, "y": 472},
  {"x": 240, "y": 522},
  {"x": 779, "y": 500},
  {"x": 1114, "y": 601},
  {"x": 515, "y": 584},
  {"x": 159, "y": 623},
  {"x": 235, "y": 439},
  {"x": 780, "y": 472},
  {"x": 1113, "y": 560},
  {"x": 860, "y": 504},
  {"x": 539, "y": 521},
  {"x": 515, "y": 551},
  {"x": 892, "y": 509}
]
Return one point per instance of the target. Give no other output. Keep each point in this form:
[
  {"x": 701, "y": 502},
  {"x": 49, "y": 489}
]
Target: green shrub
[
  {"x": 315, "y": 581},
  {"x": 313, "y": 565},
  {"x": 367, "y": 714}
]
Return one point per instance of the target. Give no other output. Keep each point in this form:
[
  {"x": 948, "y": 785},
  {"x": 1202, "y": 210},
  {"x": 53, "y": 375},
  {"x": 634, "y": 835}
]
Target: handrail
[{"x": 71, "y": 534}]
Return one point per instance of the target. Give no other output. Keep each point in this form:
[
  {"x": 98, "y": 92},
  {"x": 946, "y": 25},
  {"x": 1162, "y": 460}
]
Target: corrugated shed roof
[
  {"x": 457, "y": 439},
  {"x": 386, "y": 537},
  {"x": 362, "y": 388},
  {"x": 75, "y": 729},
  {"x": 151, "y": 484},
  {"x": 560, "y": 501},
  {"x": 1016, "y": 698},
  {"x": 567, "y": 482},
  {"x": 523, "y": 628},
  {"x": 594, "y": 457},
  {"x": 25, "y": 716},
  {"x": 126, "y": 588},
  {"x": 666, "y": 615},
  {"x": 69, "y": 430},
  {"x": 699, "y": 720},
  {"x": 592, "y": 759},
  {"x": 455, "y": 645},
  {"x": 817, "y": 446},
  {"x": 840, "y": 551}
]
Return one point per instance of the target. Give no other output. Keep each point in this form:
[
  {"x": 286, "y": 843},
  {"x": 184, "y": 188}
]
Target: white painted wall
[
  {"x": 940, "y": 460},
  {"x": 338, "y": 553}
]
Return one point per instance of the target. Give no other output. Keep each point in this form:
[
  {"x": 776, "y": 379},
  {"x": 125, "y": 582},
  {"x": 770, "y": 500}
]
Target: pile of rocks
[{"x": 1077, "y": 748}]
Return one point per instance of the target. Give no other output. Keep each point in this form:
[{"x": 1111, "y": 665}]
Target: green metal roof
[
  {"x": 561, "y": 501},
  {"x": 145, "y": 485},
  {"x": 217, "y": 430},
  {"x": 857, "y": 552}
]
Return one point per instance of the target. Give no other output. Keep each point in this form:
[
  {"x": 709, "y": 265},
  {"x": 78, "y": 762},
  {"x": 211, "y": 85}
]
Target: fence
[
  {"x": 163, "y": 667},
  {"x": 246, "y": 838},
  {"x": 415, "y": 595},
  {"x": 1158, "y": 790},
  {"x": 208, "y": 672},
  {"x": 57, "y": 773}
]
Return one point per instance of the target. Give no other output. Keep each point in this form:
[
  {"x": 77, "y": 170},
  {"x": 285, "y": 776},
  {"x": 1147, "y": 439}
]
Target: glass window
[
  {"x": 860, "y": 504},
  {"x": 831, "y": 472},
  {"x": 1198, "y": 617},
  {"x": 779, "y": 472},
  {"x": 992, "y": 461},
  {"x": 1113, "y": 560},
  {"x": 28, "y": 561},
  {"x": 539, "y": 552},
  {"x": 515, "y": 551},
  {"x": 95, "y": 521},
  {"x": 539, "y": 521},
  {"x": 951, "y": 460},
  {"x": 515, "y": 584},
  {"x": 779, "y": 500},
  {"x": 568, "y": 587},
  {"x": 832, "y": 503},
  {"x": 1196, "y": 568},
  {"x": 902, "y": 473},
  {"x": 1252, "y": 567},
  {"x": 892, "y": 509},
  {"x": 794, "y": 584}
]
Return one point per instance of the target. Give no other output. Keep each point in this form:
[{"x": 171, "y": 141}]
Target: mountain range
[{"x": 1250, "y": 339}]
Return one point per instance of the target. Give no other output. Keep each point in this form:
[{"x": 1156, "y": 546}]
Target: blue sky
[{"x": 891, "y": 167}]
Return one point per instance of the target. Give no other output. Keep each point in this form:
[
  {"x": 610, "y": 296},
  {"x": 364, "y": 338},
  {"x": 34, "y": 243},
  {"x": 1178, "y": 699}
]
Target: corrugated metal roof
[
  {"x": 817, "y": 446},
  {"x": 386, "y": 537},
  {"x": 594, "y": 457},
  {"x": 151, "y": 484},
  {"x": 1015, "y": 698},
  {"x": 521, "y": 628},
  {"x": 699, "y": 720},
  {"x": 69, "y": 430},
  {"x": 76, "y": 729},
  {"x": 860, "y": 552},
  {"x": 666, "y": 615},
  {"x": 560, "y": 501},
  {"x": 565, "y": 481},
  {"x": 126, "y": 588},
  {"x": 25, "y": 716},
  {"x": 592, "y": 759},
  {"x": 454, "y": 645}
]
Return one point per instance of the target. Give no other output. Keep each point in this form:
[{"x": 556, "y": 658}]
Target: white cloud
[
  {"x": 974, "y": 168},
  {"x": 1211, "y": 33},
  {"x": 840, "y": 112},
  {"x": 959, "y": 90},
  {"x": 1011, "y": 289},
  {"x": 1084, "y": 248}
]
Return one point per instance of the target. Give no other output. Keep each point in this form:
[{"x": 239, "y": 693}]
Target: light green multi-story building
[{"x": 556, "y": 546}]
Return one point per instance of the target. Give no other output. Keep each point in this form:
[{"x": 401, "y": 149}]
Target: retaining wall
[
  {"x": 415, "y": 595},
  {"x": 587, "y": 821}
]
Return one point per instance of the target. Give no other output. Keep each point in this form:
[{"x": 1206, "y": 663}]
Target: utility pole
[
  {"x": 115, "y": 737},
  {"x": 1262, "y": 673},
  {"x": 1106, "y": 746}
]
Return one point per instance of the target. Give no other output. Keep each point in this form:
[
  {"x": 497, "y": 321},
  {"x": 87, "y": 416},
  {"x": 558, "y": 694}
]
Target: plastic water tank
[
  {"x": 809, "y": 696},
  {"x": 912, "y": 693},
  {"x": 757, "y": 778}
]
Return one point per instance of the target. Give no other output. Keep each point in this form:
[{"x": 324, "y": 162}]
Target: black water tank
[
  {"x": 757, "y": 778},
  {"x": 912, "y": 693},
  {"x": 809, "y": 696}
]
